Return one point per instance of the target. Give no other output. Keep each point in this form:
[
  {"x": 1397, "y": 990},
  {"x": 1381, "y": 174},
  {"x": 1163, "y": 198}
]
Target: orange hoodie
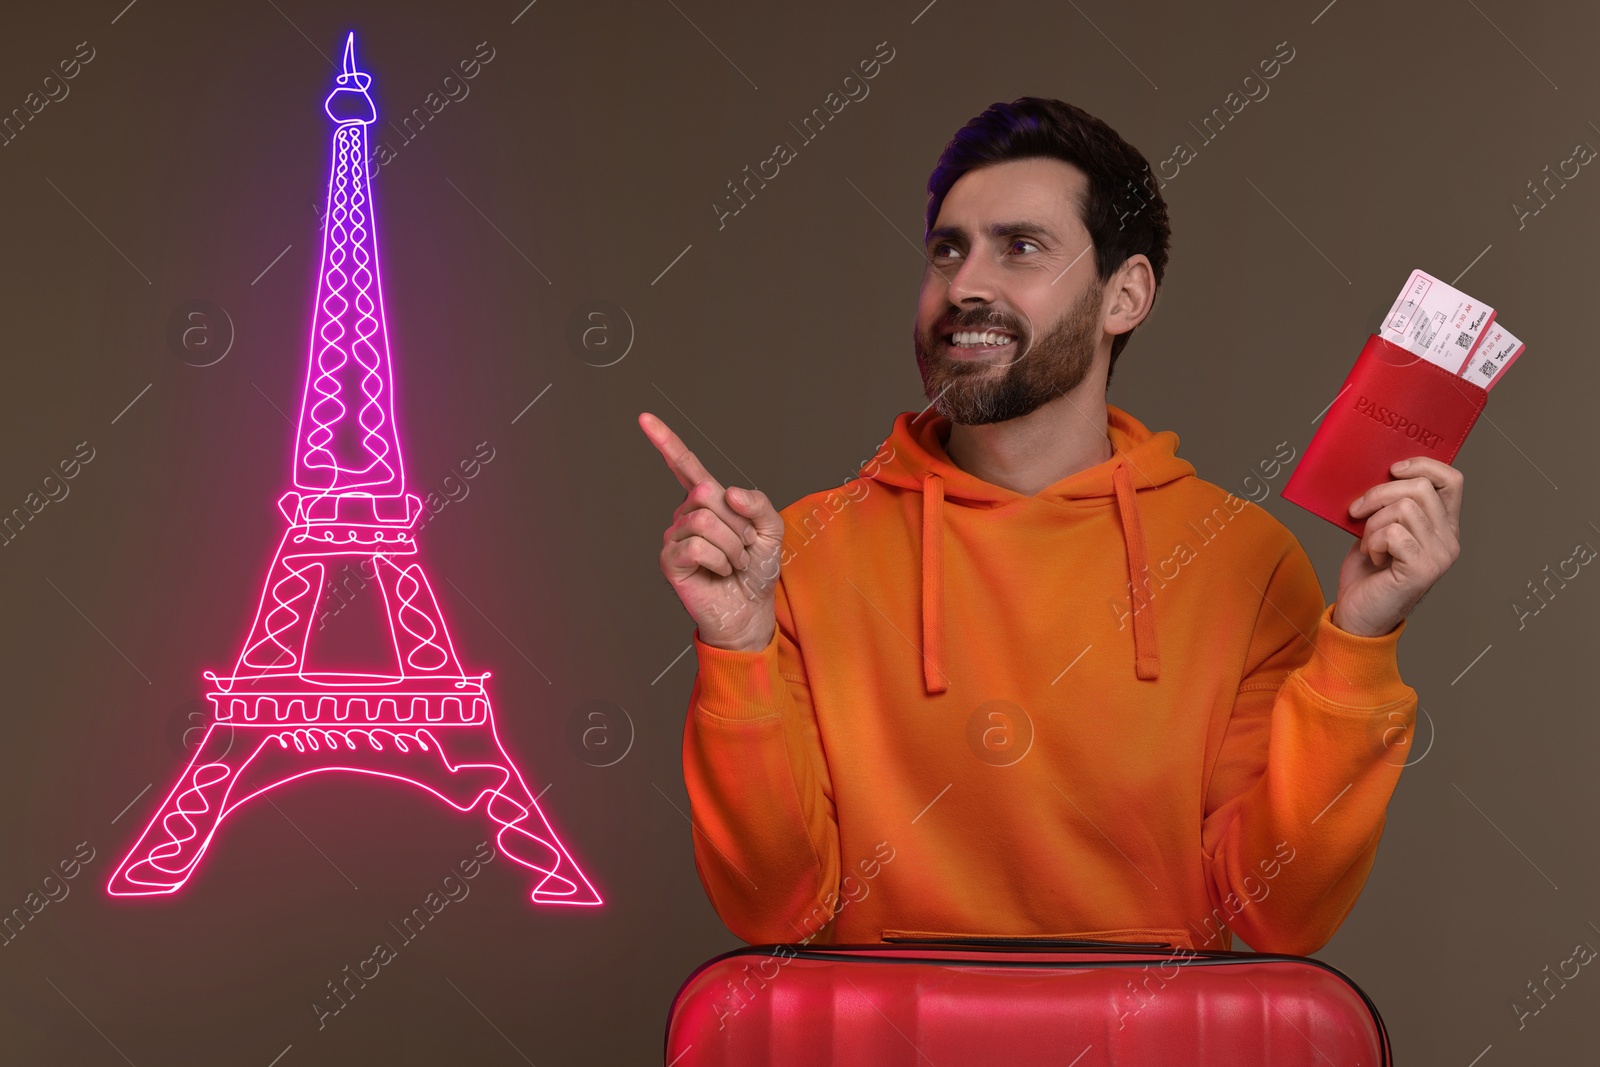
[{"x": 967, "y": 723}]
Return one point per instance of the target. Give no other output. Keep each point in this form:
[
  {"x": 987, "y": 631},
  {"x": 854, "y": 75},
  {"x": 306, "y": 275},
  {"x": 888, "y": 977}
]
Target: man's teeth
[{"x": 969, "y": 338}]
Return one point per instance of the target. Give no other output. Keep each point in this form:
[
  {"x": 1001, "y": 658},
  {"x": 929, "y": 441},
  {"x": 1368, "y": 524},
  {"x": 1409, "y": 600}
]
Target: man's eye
[
  {"x": 1023, "y": 241},
  {"x": 944, "y": 250}
]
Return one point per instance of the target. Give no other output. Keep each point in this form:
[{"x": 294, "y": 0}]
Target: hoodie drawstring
[
  {"x": 933, "y": 676},
  {"x": 1146, "y": 653},
  {"x": 1146, "y": 656}
]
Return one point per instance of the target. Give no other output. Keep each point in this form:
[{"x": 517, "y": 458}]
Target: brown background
[{"x": 192, "y": 150}]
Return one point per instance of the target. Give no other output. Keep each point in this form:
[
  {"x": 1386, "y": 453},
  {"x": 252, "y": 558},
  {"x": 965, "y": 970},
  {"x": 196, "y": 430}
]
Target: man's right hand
[{"x": 721, "y": 552}]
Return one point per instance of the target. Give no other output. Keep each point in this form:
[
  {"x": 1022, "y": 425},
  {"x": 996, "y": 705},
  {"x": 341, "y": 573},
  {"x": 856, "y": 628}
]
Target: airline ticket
[
  {"x": 1497, "y": 351},
  {"x": 1436, "y": 321}
]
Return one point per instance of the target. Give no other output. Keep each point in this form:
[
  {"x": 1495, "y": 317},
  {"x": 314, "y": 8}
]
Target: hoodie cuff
[
  {"x": 1353, "y": 671},
  {"x": 740, "y": 685}
]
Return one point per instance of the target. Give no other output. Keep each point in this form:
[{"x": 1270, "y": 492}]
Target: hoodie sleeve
[
  {"x": 766, "y": 839},
  {"x": 1311, "y": 753}
]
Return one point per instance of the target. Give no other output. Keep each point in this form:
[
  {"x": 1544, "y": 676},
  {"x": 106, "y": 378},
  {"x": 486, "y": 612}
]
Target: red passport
[{"x": 1394, "y": 405}]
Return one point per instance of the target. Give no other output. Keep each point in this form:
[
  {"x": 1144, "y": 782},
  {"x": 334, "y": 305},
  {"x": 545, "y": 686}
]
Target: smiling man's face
[{"x": 1010, "y": 314}]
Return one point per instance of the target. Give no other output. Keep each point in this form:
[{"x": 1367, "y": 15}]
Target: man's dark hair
[{"x": 1124, "y": 211}]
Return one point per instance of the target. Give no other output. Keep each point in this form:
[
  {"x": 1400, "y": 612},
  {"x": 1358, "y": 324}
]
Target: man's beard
[{"x": 970, "y": 393}]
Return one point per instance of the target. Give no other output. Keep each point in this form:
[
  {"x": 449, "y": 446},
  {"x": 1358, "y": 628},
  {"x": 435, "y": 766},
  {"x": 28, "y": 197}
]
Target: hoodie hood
[{"x": 919, "y": 463}]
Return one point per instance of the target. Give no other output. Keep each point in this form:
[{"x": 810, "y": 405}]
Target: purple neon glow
[
  {"x": 424, "y": 721},
  {"x": 349, "y": 370}
]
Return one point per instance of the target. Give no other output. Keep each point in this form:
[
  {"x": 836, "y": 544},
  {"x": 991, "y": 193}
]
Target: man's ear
[{"x": 1130, "y": 294}]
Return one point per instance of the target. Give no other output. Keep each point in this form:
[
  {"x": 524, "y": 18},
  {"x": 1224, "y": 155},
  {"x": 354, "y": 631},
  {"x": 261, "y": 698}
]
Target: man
[{"x": 1033, "y": 677}]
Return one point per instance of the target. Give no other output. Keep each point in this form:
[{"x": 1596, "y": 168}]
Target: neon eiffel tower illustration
[{"x": 274, "y": 720}]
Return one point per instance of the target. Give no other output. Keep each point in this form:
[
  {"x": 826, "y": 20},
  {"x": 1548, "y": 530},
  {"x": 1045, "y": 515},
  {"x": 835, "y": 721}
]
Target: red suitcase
[{"x": 1070, "y": 1004}]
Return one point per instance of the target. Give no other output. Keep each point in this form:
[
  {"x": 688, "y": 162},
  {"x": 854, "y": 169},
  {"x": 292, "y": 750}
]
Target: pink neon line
[
  {"x": 226, "y": 805},
  {"x": 346, "y": 517}
]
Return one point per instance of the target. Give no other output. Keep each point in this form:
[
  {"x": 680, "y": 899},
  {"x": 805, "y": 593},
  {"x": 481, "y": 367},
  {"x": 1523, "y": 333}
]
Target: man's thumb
[{"x": 753, "y": 505}]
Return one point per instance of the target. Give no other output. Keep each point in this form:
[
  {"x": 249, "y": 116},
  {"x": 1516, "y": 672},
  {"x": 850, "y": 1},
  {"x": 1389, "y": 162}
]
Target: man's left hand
[{"x": 1412, "y": 537}]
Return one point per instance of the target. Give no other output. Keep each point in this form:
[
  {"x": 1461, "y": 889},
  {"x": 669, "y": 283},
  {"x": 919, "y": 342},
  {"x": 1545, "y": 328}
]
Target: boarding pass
[
  {"x": 1446, "y": 327},
  {"x": 1497, "y": 351}
]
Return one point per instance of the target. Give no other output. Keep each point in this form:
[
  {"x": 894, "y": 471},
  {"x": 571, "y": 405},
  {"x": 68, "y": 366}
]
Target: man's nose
[{"x": 973, "y": 282}]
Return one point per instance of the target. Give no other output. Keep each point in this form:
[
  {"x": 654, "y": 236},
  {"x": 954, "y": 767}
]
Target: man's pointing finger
[
  {"x": 692, "y": 475},
  {"x": 684, "y": 465}
]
